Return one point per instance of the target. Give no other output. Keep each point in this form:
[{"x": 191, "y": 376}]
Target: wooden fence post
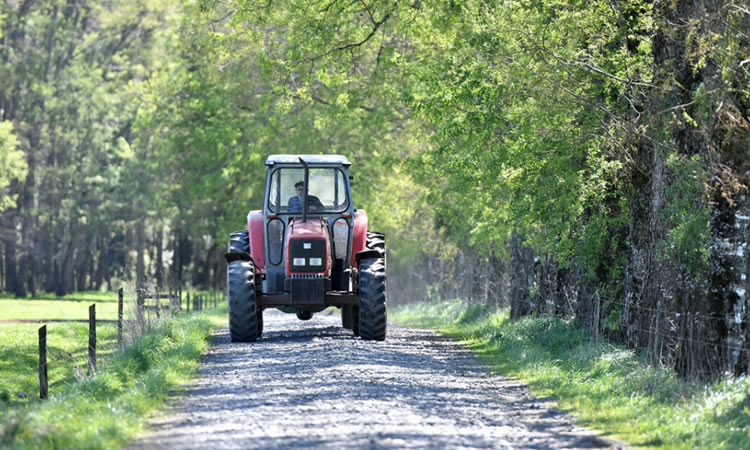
[
  {"x": 119, "y": 318},
  {"x": 43, "y": 362},
  {"x": 92, "y": 339},
  {"x": 188, "y": 302}
]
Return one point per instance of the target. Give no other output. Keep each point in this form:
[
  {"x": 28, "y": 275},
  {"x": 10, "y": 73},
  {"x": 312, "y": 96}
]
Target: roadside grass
[
  {"x": 608, "y": 387},
  {"x": 104, "y": 410}
]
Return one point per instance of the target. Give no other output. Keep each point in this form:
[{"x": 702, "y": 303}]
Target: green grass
[
  {"x": 101, "y": 411},
  {"x": 67, "y": 350},
  {"x": 67, "y": 342},
  {"x": 608, "y": 387}
]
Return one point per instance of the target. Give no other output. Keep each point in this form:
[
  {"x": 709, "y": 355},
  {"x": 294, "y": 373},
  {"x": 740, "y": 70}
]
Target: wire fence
[{"x": 45, "y": 353}]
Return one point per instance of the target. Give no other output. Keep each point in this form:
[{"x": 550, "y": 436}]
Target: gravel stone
[{"x": 313, "y": 384}]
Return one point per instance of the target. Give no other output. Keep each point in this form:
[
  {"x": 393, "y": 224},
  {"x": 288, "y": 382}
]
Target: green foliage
[
  {"x": 687, "y": 213},
  {"x": 13, "y": 166},
  {"x": 607, "y": 387}
]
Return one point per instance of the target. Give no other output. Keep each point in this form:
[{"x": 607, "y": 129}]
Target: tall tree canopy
[{"x": 573, "y": 158}]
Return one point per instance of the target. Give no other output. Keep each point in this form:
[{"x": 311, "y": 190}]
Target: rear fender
[
  {"x": 359, "y": 238},
  {"x": 255, "y": 229}
]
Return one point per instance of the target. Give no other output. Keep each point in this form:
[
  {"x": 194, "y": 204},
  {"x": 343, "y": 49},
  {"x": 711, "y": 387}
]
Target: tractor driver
[{"x": 297, "y": 202}]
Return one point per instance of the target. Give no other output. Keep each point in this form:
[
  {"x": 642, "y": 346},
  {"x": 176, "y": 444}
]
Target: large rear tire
[
  {"x": 346, "y": 316},
  {"x": 372, "y": 310},
  {"x": 375, "y": 240},
  {"x": 239, "y": 242},
  {"x": 350, "y": 318},
  {"x": 245, "y": 320}
]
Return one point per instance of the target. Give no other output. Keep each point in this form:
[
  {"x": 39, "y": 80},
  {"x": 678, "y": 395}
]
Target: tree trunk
[
  {"x": 159, "y": 270},
  {"x": 522, "y": 263},
  {"x": 65, "y": 283},
  {"x": 101, "y": 265},
  {"x": 139, "y": 262},
  {"x": 9, "y": 239},
  {"x": 82, "y": 263}
]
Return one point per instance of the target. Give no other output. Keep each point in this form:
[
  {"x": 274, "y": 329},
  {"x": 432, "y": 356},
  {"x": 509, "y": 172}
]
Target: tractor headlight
[
  {"x": 299, "y": 261},
  {"x": 316, "y": 261}
]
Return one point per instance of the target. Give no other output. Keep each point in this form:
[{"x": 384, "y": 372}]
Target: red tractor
[{"x": 308, "y": 249}]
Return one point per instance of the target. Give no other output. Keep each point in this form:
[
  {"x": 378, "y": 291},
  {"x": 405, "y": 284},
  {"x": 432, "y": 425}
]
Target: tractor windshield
[{"x": 327, "y": 193}]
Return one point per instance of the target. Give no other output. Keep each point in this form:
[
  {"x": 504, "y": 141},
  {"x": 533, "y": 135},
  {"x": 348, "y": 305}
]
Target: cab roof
[{"x": 310, "y": 159}]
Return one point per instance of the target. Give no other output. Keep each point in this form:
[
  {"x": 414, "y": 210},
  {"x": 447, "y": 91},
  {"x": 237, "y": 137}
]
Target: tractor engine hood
[{"x": 308, "y": 247}]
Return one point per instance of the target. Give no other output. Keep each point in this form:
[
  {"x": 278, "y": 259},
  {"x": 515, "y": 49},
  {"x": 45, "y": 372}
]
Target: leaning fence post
[
  {"x": 92, "y": 339},
  {"x": 119, "y": 318},
  {"x": 43, "y": 362}
]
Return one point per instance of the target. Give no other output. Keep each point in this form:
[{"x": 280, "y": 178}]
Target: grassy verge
[
  {"x": 609, "y": 388},
  {"x": 106, "y": 410}
]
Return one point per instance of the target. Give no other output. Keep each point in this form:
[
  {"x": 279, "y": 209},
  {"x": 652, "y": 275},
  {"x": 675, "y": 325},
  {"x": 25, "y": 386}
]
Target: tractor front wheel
[
  {"x": 245, "y": 318},
  {"x": 372, "y": 309}
]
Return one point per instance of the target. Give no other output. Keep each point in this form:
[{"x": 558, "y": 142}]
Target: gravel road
[{"x": 313, "y": 384}]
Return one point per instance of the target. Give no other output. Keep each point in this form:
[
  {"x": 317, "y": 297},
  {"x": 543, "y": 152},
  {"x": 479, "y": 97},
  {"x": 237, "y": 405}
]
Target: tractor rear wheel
[
  {"x": 375, "y": 240},
  {"x": 372, "y": 309},
  {"x": 239, "y": 242},
  {"x": 245, "y": 319},
  {"x": 355, "y": 320},
  {"x": 350, "y": 318},
  {"x": 346, "y": 316}
]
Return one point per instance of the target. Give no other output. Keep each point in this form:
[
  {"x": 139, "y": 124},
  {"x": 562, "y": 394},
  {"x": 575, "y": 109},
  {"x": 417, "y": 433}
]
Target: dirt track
[{"x": 312, "y": 384}]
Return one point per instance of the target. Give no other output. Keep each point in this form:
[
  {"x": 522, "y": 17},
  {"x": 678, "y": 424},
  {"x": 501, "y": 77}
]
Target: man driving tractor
[{"x": 297, "y": 202}]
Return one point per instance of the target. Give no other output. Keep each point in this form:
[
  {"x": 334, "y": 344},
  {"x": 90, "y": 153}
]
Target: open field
[
  {"x": 105, "y": 410},
  {"x": 67, "y": 342}
]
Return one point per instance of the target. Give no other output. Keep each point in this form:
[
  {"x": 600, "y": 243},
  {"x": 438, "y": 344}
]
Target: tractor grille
[
  {"x": 307, "y": 288},
  {"x": 307, "y": 276}
]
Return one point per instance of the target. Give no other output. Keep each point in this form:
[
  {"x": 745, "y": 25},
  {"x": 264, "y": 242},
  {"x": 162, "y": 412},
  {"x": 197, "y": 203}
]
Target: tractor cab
[{"x": 308, "y": 207}]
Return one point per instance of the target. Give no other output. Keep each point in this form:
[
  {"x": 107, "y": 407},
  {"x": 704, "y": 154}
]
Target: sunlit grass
[
  {"x": 11, "y": 309},
  {"x": 67, "y": 353},
  {"x": 608, "y": 387},
  {"x": 87, "y": 296},
  {"x": 67, "y": 342},
  {"x": 101, "y": 411}
]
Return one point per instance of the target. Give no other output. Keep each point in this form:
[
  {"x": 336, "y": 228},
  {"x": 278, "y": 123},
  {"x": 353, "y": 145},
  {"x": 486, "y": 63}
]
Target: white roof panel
[{"x": 310, "y": 159}]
